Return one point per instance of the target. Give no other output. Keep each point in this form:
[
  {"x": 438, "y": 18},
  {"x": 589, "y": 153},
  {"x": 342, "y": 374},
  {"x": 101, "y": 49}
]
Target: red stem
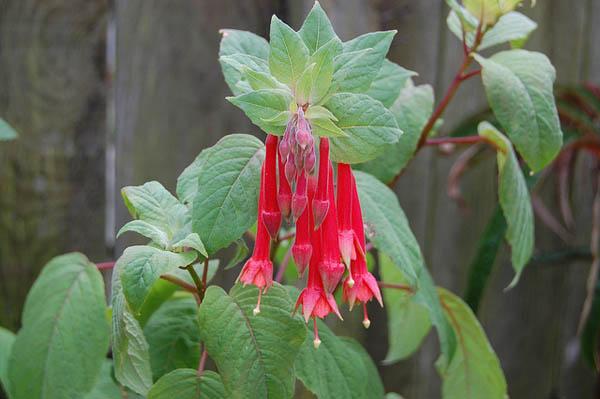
[
  {"x": 202, "y": 363},
  {"x": 105, "y": 265},
  {"x": 402, "y": 287},
  {"x": 454, "y": 140}
]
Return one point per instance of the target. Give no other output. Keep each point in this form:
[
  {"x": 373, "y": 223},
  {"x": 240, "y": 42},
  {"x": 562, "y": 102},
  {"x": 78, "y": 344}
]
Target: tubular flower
[
  {"x": 320, "y": 203},
  {"x": 302, "y": 248},
  {"x": 284, "y": 195},
  {"x": 315, "y": 300},
  {"x": 344, "y": 208},
  {"x": 270, "y": 214},
  {"x": 364, "y": 286},
  {"x": 330, "y": 267},
  {"x": 258, "y": 270}
]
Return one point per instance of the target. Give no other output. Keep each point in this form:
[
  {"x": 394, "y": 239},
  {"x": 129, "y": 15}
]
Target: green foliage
[
  {"x": 338, "y": 369},
  {"x": 174, "y": 336},
  {"x": 288, "y": 55},
  {"x": 317, "y": 30},
  {"x": 514, "y": 200},
  {"x": 6, "y": 131},
  {"x": 225, "y": 205},
  {"x": 7, "y": 338},
  {"x": 105, "y": 387},
  {"x": 59, "y": 350},
  {"x": 475, "y": 370},
  {"x": 518, "y": 85},
  {"x": 187, "y": 384},
  {"x": 389, "y": 82},
  {"x": 254, "y": 354},
  {"x": 408, "y": 321},
  {"x": 266, "y": 108}
]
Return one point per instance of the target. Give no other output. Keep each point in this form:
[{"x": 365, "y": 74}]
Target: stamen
[
  {"x": 366, "y": 322},
  {"x": 257, "y": 308},
  {"x": 317, "y": 341}
]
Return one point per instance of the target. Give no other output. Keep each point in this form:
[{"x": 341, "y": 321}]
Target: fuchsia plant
[{"x": 341, "y": 123}]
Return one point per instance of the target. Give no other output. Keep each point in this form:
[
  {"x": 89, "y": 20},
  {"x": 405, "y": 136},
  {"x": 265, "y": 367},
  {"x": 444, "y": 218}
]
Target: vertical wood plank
[{"x": 51, "y": 178}]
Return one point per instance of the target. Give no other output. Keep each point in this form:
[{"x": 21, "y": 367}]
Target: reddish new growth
[{"x": 330, "y": 236}]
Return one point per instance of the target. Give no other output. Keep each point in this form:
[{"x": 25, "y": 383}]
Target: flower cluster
[{"x": 330, "y": 237}]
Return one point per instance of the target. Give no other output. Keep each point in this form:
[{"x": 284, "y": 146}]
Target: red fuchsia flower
[
  {"x": 258, "y": 270},
  {"x": 320, "y": 203},
  {"x": 344, "y": 207},
  {"x": 365, "y": 286},
  {"x": 270, "y": 214},
  {"x": 315, "y": 300},
  {"x": 284, "y": 195},
  {"x": 330, "y": 267},
  {"x": 302, "y": 248},
  {"x": 300, "y": 197}
]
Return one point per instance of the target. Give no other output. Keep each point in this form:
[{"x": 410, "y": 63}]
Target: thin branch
[
  {"x": 202, "y": 363},
  {"x": 196, "y": 279},
  {"x": 284, "y": 264},
  {"x": 402, "y": 287},
  {"x": 204, "y": 278},
  {"x": 469, "y": 75},
  {"x": 549, "y": 220},
  {"x": 456, "y": 172},
  {"x": 467, "y": 140},
  {"x": 183, "y": 284}
]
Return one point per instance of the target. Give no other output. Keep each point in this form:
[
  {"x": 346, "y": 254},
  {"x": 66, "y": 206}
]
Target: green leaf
[
  {"x": 261, "y": 80},
  {"x": 153, "y": 204},
  {"x": 411, "y": 110},
  {"x": 388, "y": 83},
  {"x": 187, "y": 384},
  {"x": 319, "y": 112},
  {"x": 326, "y": 128},
  {"x": 59, "y": 350},
  {"x": 408, "y": 322},
  {"x": 305, "y": 85},
  {"x": 235, "y": 66},
  {"x": 483, "y": 262},
  {"x": 288, "y": 55},
  {"x": 323, "y": 73},
  {"x": 316, "y": 30},
  {"x": 141, "y": 266},
  {"x": 193, "y": 241},
  {"x": 241, "y": 252},
  {"x": 254, "y": 354},
  {"x": 475, "y": 370},
  {"x": 242, "y": 42},
  {"x": 514, "y": 200},
  {"x": 105, "y": 387},
  {"x": 489, "y": 11},
  {"x": 6, "y": 131},
  {"x": 187, "y": 182},
  {"x": 369, "y": 127},
  {"x": 264, "y": 107},
  {"x": 511, "y": 27},
  {"x": 337, "y": 369},
  {"x": 174, "y": 336},
  {"x": 378, "y": 41},
  {"x": 468, "y": 20},
  {"x": 393, "y": 395},
  {"x": 354, "y": 71},
  {"x": 129, "y": 346},
  {"x": 518, "y": 84},
  {"x": 147, "y": 230},
  {"x": 391, "y": 235},
  {"x": 226, "y": 204},
  {"x": 7, "y": 338}
]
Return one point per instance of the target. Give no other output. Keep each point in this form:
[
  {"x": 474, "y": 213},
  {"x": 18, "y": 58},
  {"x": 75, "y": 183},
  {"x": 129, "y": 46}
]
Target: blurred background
[{"x": 108, "y": 94}]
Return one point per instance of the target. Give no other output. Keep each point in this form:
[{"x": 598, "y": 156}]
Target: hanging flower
[
  {"x": 344, "y": 207},
  {"x": 270, "y": 214},
  {"x": 320, "y": 203}
]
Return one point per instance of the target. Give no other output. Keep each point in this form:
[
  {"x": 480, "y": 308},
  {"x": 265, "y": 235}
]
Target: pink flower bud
[
  {"x": 309, "y": 161},
  {"x": 303, "y": 133},
  {"x": 290, "y": 169}
]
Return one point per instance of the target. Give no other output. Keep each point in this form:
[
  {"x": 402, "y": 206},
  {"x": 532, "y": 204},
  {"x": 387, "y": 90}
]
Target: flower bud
[
  {"x": 321, "y": 202},
  {"x": 300, "y": 197}
]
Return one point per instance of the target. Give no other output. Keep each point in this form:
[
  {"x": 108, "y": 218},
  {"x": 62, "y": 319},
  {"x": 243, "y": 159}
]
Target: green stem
[{"x": 196, "y": 279}]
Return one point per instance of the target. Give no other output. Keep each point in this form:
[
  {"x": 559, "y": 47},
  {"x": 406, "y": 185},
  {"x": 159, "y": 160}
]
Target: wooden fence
[{"x": 107, "y": 94}]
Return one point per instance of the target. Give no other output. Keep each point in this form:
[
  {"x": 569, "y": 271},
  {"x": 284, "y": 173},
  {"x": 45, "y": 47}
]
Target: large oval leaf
[
  {"x": 187, "y": 384},
  {"x": 475, "y": 370},
  {"x": 391, "y": 234},
  {"x": 105, "y": 387},
  {"x": 254, "y": 354},
  {"x": 340, "y": 368},
  {"x": 60, "y": 349},
  {"x": 288, "y": 55},
  {"x": 519, "y": 85},
  {"x": 227, "y": 199},
  {"x": 174, "y": 336},
  {"x": 369, "y": 127}
]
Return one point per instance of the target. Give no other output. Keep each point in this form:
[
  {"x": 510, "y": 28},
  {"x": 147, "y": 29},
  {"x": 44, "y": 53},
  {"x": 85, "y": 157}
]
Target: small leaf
[
  {"x": 514, "y": 200},
  {"x": 254, "y": 354},
  {"x": 174, "y": 336},
  {"x": 468, "y": 20},
  {"x": 408, "y": 322},
  {"x": 411, "y": 110},
  {"x": 234, "y": 66},
  {"x": 519, "y": 84},
  {"x": 316, "y": 30},
  {"x": 140, "y": 266},
  {"x": 388, "y": 83},
  {"x": 60, "y": 349},
  {"x": 242, "y": 42},
  {"x": 105, "y": 387},
  {"x": 288, "y": 55},
  {"x": 241, "y": 252},
  {"x": 7, "y": 338},
  {"x": 326, "y": 128},
  {"x": 152, "y": 203},
  {"x": 129, "y": 346},
  {"x": 148, "y": 230},
  {"x": 337, "y": 369},
  {"x": 6, "y": 131},
  {"x": 323, "y": 72},
  {"x": 475, "y": 370},
  {"x": 261, "y": 80},
  {"x": 187, "y": 384},
  {"x": 369, "y": 127},
  {"x": 264, "y": 107},
  {"x": 305, "y": 85},
  {"x": 319, "y": 112},
  {"x": 193, "y": 241},
  {"x": 226, "y": 204},
  {"x": 392, "y": 236},
  {"x": 488, "y": 11}
]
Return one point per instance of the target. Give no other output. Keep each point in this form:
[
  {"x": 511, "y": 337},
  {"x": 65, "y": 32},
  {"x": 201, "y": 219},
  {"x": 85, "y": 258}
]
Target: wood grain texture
[{"x": 52, "y": 177}]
